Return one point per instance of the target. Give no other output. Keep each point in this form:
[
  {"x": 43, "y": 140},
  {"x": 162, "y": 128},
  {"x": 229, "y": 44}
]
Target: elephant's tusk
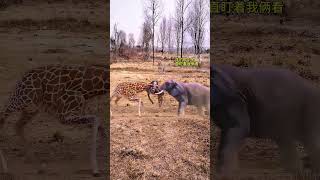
[{"x": 159, "y": 92}]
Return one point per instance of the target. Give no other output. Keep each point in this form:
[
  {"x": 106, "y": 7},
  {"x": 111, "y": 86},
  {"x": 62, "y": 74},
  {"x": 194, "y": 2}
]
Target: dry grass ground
[
  {"x": 262, "y": 41},
  {"x": 37, "y": 33},
  {"x": 157, "y": 145}
]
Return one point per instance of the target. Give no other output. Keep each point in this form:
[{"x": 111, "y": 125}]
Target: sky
[{"x": 128, "y": 14}]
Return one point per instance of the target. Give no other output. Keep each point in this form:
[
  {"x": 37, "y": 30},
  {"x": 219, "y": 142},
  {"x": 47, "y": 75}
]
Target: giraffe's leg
[
  {"x": 95, "y": 121},
  {"x": 25, "y": 118},
  {"x": 138, "y": 100},
  {"x": 160, "y": 99},
  {"x": 71, "y": 114},
  {"x": 139, "y": 106},
  {"x": 117, "y": 99},
  {"x": 116, "y": 95}
]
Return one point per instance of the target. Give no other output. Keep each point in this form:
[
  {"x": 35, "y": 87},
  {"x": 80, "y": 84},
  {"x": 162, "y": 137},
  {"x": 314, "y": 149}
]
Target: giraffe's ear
[{"x": 151, "y": 83}]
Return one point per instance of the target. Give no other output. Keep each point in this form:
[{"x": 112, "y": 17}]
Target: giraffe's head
[{"x": 154, "y": 87}]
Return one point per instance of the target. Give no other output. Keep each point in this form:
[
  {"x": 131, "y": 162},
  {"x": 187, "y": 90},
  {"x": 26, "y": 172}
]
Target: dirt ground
[
  {"x": 159, "y": 144},
  {"x": 262, "y": 41},
  {"x": 38, "y": 33}
]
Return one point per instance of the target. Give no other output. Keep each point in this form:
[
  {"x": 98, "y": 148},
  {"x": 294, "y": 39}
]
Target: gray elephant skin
[
  {"x": 268, "y": 103},
  {"x": 188, "y": 94}
]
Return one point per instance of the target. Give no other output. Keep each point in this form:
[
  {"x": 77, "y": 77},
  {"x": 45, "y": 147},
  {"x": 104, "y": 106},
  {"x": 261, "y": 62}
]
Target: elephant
[
  {"x": 188, "y": 94},
  {"x": 265, "y": 102}
]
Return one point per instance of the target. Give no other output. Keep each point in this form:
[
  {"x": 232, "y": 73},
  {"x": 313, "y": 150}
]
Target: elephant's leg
[
  {"x": 233, "y": 133},
  {"x": 200, "y": 111},
  {"x": 208, "y": 109},
  {"x": 181, "y": 109},
  {"x": 230, "y": 143},
  {"x": 289, "y": 156},
  {"x": 312, "y": 145}
]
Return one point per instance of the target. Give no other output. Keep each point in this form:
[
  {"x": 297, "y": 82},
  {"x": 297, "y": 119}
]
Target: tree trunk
[
  {"x": 182, "y": 13},
  {"x": 153, "y": 24},
  {"x": 181, "y": 45},
  {"x": 153, "y": 45},
  {"x": 162, "y": 50}
]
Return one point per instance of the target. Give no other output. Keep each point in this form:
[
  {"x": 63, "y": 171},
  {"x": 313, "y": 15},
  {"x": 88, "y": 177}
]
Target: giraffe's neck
[
  {"x": 93, "y": 93},
  {"x": 142, "y": 87},
  {"x": 97, "y": 84}
]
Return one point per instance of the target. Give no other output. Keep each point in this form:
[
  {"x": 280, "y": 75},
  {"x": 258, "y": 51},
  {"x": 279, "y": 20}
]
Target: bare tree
[
  {"x": 118, "y": 40},
  {"x": 146, "y": 35},
  {"x": 131, "y": 40},
  {"x": 123, "y": 42},
  {"x": 157, "y": 42},
  {"x": 115, "y": 43},
  {"x": 122, "y": 38},
  {"x": 198, "y": 17},
  {"x": 153, "y": 11},
  {"x": 177, "y": 30},
  {"x": 169, "y": 33},
  {"x": 163, "y": 33},
  {"x": 181, "y": 9}
]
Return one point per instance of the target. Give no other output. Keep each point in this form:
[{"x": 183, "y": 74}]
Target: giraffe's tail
[
  {"x": 114, "y": 93},
  {"x": 4, "y": 162},
  {"x": 10, "y": 108},
  {"x": 4, "y": 114},
  {"x": 112, "y": 96}
]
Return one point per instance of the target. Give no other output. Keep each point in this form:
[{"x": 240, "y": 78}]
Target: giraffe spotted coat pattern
[
  {"x": 130, "y": 90},
  {"x": 63, "y": 91}
]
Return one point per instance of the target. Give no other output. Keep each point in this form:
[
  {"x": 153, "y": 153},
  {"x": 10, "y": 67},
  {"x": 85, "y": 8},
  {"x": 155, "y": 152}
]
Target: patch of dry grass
[{"x": 64, "y": 24}]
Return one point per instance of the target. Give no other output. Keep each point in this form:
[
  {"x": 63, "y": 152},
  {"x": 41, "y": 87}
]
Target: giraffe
[
  {"x": 63, "y": 91},
  {"x": 131, "y": 89},
  {"x": 161, "y": 67}
]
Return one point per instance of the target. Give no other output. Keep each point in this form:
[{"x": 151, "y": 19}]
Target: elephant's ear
[
  {"x": 177, "y": 90},
  {"x": 223, "y": 86},
  {"x": 227, "y": 101}
]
